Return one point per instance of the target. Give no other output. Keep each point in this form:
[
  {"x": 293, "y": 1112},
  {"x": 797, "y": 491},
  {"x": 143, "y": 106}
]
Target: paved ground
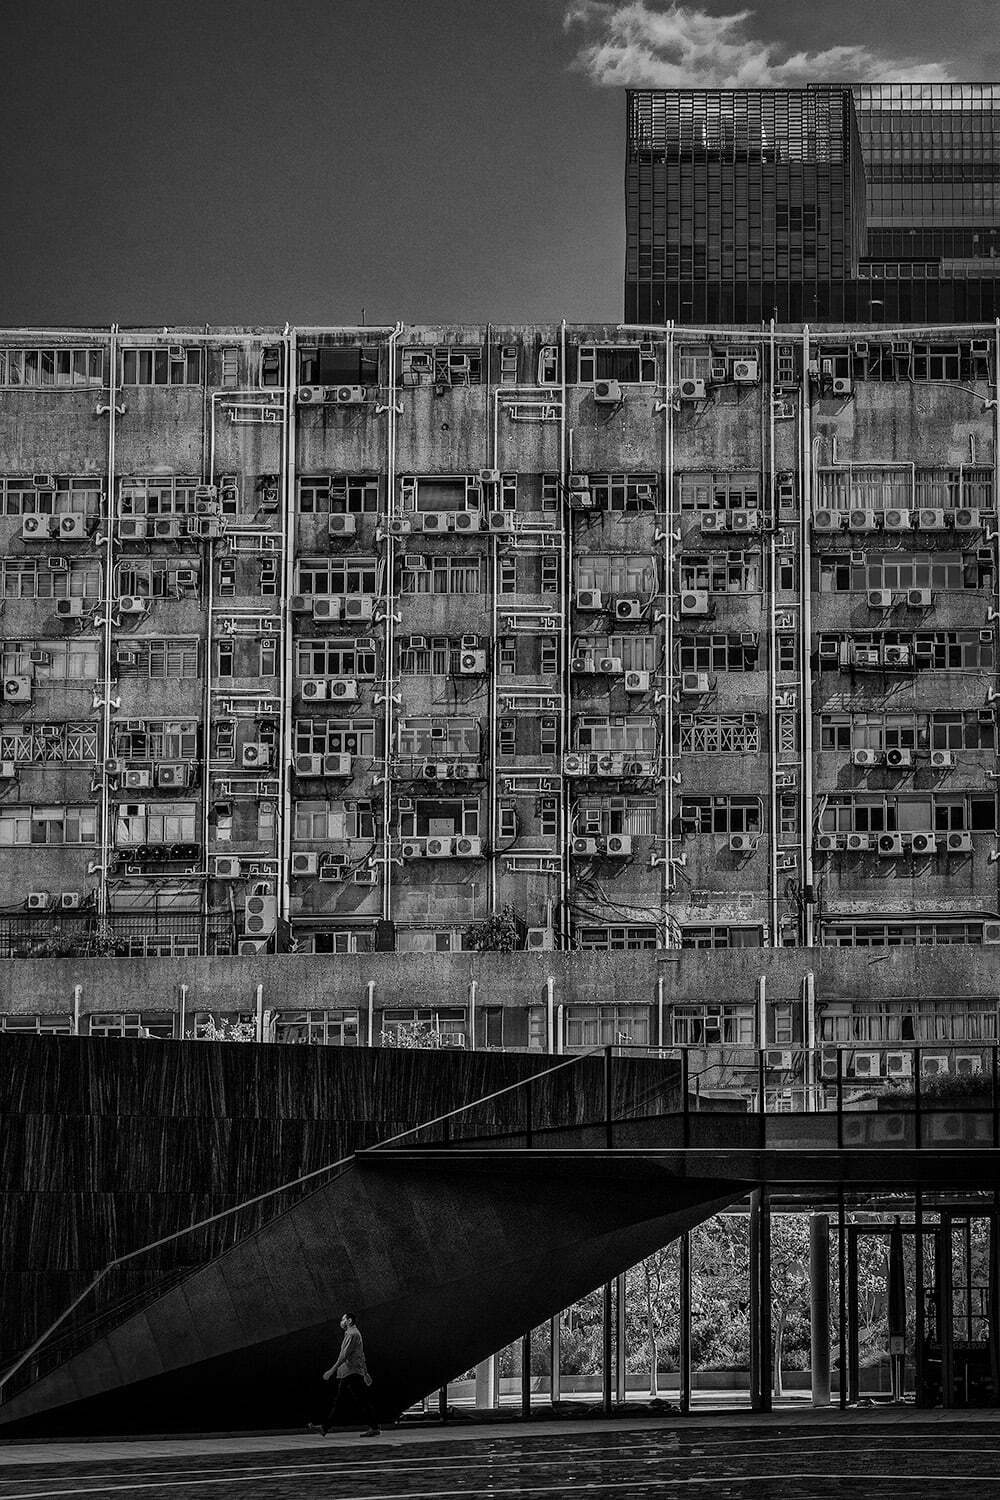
[{"x": 803, "y": 1456}]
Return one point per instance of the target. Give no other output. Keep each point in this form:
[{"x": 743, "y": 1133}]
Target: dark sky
[{"x": 172, "y": 161}]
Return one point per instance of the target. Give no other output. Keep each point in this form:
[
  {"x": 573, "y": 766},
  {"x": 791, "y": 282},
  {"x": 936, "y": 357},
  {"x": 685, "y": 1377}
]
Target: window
[
  {"x": 147, "y": 656},
  {"x": 344, "y": 494},
  {"x": 50, "y": 578},
  {"x": 720, "y": 815},
  {"x": 332, "y": 656},
  {"x": 267, "y": 658},
  {"x": 901, "y": 933},
  {"x": 448, "y": 1026},
  {"x": 928, "y": 1019},
  {"x": 40, "y": 827},
  {"x": 433, "y": 817},
  {"x": 637, "y": 653},
  {"x": 138, "y": 823},
  {"x": 159, "y": 496},
  {"x": 720, "y": 936},
  {"x": 159, "y": 578},
  {"x": 132, "y": 1023},
  {"x": 441, "y": 364},
  {"x": 596, "y": 816},
  {"x": 507, "y": 825},
  {"x": 441, "y": 573},
  {"x": 607, "y": 1025},
  {"x": 720, "y": 653},
  {"x": 631, "y": 363},
  {"x": 145, "y": 739},
  {"x": 899, "y": 571},
  {"x": 718, "y": 734},
  {"x": 27, "y": 742},
  {"x": 73, "y": 660},
  {"x": 706, "y": 1025},
  {"x": 722, "y": 572},
  {"x": 737, "y": 491},
  {"x": 337, "y": 575},
  {"x": 629, "y": 493},
  {"x": 168, "y": 365},
  {"x": 66, "y": 495},
  {"x": 430, "y": 656},
  {"x": 623, "y": 732},
  {"x": 908, "y": 812},
  {"x": 338, "y": 364},
  {"x": 433, "y": 738},
  {"x": 335, "y": 1028},
  {"x": 630, "y": 939},
  {"x": 52, "y": 366},
  {"x": 618, "y": 573},
  {"x": 316, "y": 818}
]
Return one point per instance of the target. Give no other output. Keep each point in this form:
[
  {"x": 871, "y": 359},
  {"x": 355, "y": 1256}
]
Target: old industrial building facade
[{"x": 327, "y": 641}]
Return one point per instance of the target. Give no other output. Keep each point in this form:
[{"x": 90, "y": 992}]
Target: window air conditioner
[
  {"x": 618, "y": 845},
  {"x": 931, "y": 520},
  {"x": 342, "y": 525},
  {"x": 959, "y": 843},
  {"x": 337, "y": 764},
  {"x": 694, "y": 602},
  {"x": 743, "y": 843},
  {"x": 692, "y": 390},
  {"x": 608, "y": 393},
  {"x": 309, "y": 765},
  {"x": 589, "y": 600},
  {"x": 637, "y": 682},
  {"x": 942, "y": 760},
  {"x": 313, "y": 689},
  {"x": 305, "y": 864},
  {"x": 344, "y": 690},
  {"x": 827, "y": 520}
]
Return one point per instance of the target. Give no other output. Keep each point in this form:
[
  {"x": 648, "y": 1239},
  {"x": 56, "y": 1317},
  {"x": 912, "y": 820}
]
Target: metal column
[{"x": 819, "y": 1308}]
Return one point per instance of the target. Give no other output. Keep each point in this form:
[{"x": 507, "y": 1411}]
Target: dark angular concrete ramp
[{"x": 440, "y": 1268}]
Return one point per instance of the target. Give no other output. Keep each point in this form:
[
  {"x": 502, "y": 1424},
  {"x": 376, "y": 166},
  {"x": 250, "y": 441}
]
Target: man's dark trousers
[{"x": 353, "y": 1388}]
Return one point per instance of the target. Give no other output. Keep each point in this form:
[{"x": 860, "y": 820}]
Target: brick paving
[{"x": 807, "y": 1457}]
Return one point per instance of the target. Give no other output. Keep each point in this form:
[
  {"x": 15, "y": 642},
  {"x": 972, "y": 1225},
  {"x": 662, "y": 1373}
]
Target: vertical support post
[
  {"x": 853, "y": 1368},
  {"x": 918, "y": 1134},
  {"x": 486, "y": 1379},
  {"x": 841, "y": 1280},
  {"x": 840, "y": 1132},
  {"x": 755, "y": 1359},
  {"x": 684, "y": 1336},
  {"x": 528, "y": 1115},
  {"x": 919, "y": 1329},
  {"x": 761, "y": 1082},
  {"x": 555, "y": 1359},
  {"x": 766, "y": 1353},
  {"x": 621, "y": 1372},
  {"x": 819, "y": 1308},
  {"x": 608, "y": 1100},
  {"x": 607, "y": 1372},
  {"x": 443, "y": 1403},
  {"x": 526, "y": 1374},
  {"x": 995, "y": 1097},
  {"x": 946, "y": 1316},
  {"x": 77, "y": 1006},
  {"x": 685, "y": 1102}
]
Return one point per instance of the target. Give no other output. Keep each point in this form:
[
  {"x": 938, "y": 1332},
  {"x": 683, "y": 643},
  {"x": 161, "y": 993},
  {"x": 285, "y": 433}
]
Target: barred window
[
  {"x": 720, "y": 815},
  {"x": 28, "y": 742},
  {"x": 722, "y": 572},
  {"x": 718, "y": 734},
  {"x": 439, "y": 573},
  {"x": 149, "y": 656},
  {"x": 330, "y": 656},
  {"x": 339, "y": 494},
  {"x": 336, "y": 575},
  {"x": 334, "y": 736}
]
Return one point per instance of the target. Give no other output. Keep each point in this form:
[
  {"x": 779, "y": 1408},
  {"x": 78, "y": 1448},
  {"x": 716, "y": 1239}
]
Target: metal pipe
[
  {"x": 670, "y": 594},
  {"x": 77, "y": 1003},
  {"x": 550, "y": 1019},
  {"x": 286, "y": 678},
  {"x": 371, "y": 1012},
  {"x": 565, "y": 455},
  {"x": 389, "y": 631},
  {"x": 107, "y": 837},
  {"x": 259, "y": 1013},
  {"x": 659, "y": 1010},
  {"x": 182, "y": 1011},
  {"x": 805, "y": 590},
  {"x": 473, "y": 985}
]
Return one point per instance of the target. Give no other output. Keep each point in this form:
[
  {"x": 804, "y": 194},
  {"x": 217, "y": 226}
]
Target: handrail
[{"x": 177, "y": 1234}]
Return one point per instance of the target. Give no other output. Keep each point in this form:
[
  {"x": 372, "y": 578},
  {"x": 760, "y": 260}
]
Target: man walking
[{"x": 353, "y": 1379}]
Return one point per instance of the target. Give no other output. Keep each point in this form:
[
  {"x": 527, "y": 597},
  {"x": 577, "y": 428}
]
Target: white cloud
[{"x": 640, "y": 44}]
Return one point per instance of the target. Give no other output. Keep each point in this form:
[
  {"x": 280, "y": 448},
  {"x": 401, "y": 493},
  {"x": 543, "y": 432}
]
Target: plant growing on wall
[{"x": 502, "y": 932}]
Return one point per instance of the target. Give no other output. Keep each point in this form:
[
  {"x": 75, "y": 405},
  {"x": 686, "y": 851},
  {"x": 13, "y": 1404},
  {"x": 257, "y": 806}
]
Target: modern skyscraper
[{"x": 873, "y": 203}]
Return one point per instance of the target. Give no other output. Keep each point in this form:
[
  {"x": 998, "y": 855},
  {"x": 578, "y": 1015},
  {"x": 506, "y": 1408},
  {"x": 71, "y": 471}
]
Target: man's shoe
[{"x": 371, "y": 1432}]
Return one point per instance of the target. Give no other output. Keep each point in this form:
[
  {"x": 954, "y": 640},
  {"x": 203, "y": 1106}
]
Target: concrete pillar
[
  {"x": 621, "y": 1372},
  {"x": 684, "y": 1332},
  {"x": 819, "y": 1308},
  {"x": 486, "y": 1384},
  {"x": 760, "y": 1302},
  {"x": 555, "y": 1359}
]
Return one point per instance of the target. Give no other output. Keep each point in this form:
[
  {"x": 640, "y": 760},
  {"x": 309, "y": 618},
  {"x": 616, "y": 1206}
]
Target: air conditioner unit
[
  {"x": 326, "y": 609},
  {"x": 965, "y": 519},
  {"x": 828, "y": 520},
  {"x": 311, "y": 395},
  {"x": 581, "y": 500},
  {"x": 414, "y": 562},
  {"x": 934, "y": 1064},
  {"x": 334, "y": 868},
  {"x": 132, "y": 529},
  {"x": 137, "y": 779},
  {"x": 399, "y": 526},
  {"x": 828, "y": 1065},
  {"x": 842, "y": 385},
  {"x": 339, "y": 763},
  {"x": 967, "y": 1064},
  {"x": 17, "y": 690},
  {"x": 692, "y": 390},
  {"x": 942, "y": 760},
  {"x": 743, "y": 843},
  {"x": 260, "y": 915},
  {"x": 744, "y": 520},
  {"x": 8, "y": 770},
  {"x": 899, "y": 1064},
  {"x": 466, "y": 520},
  {"x": 608, "y": 393},
  {"x": 923, "y": 650},
  {"x": 433, "y": 520},
  {"x": 501, "y": 522},
  {"x": 862, "y": 520},
  {"x": 69, "y": 609},
  {"x": 575, "y": 765},
  {"x": 746, "y": 371},
  {"x": 628, "y": 609},
  {"x": 412, "y": 848},
  {"x": 865, "y": 757},
  {"x": 438, "y": 848},
  {"x": 778, "y": 1059},
  {"x": 540, "y": 940},
  {"x": 618, "y": 845},
  {"x": 714, "y": 521},
  {"x": 829, "y": 651},
  {"x": 890, "y": 845},
  {"x": 345, "y": 395},
  {"x": 867, "y": 657},
  {"x": 172, "y": 775},
  {"x": 896, "y": 520},
  {"x": 897, "y": 758},
  {"x": 305, "y": 864},
  {"x": 313, "y": 689},
  {"x": 43, "y": 481},
  {"x": 694, "y": 602},
  {"x": 896, "y": 656},
  {"x": 919, "y": 598},
  {"x": 359, "y": 607},
  {"x": 38, "y": 901},
  {"x": 489, "y": 476},
  {"x": 612, "y": 665},
  {"x": 344, "y": 690},
  {"x": 959, "y": 843},
  {"x": 246, "y": 946},
  {"x": 131, "y": 604},
  {"x": 300, "y": 604},
  {"x": 184, "y": 578},
  {"x": 867, "y": 1065},
  {"x": 695, "y": 682},
  {"x": 579, "y": 481},
  {"x": 70, "y": 900},
  {"x": 472, "y": 663},
  {"x": 341, "y": 525},
  {"x": 719, "y": 371},
  {"x": 879, "y": 599},
  {"x": 589, "y": 600},
  {"x": 923, "y": 843},
  {"x": 586, "y": 846},
  {"x": 164, "y": 528},
  {"x": 931, "y": 520},
  {"x": 467, "y": 846},
  {"x": 308, "y": 765},
  {"x": 36, "y": 528},
  {"x": 637, "y": 682},
  {"x": 255, "y": 754},
  {"x": 856, "y": 843},
  {"x": 827, "y": 843}
]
